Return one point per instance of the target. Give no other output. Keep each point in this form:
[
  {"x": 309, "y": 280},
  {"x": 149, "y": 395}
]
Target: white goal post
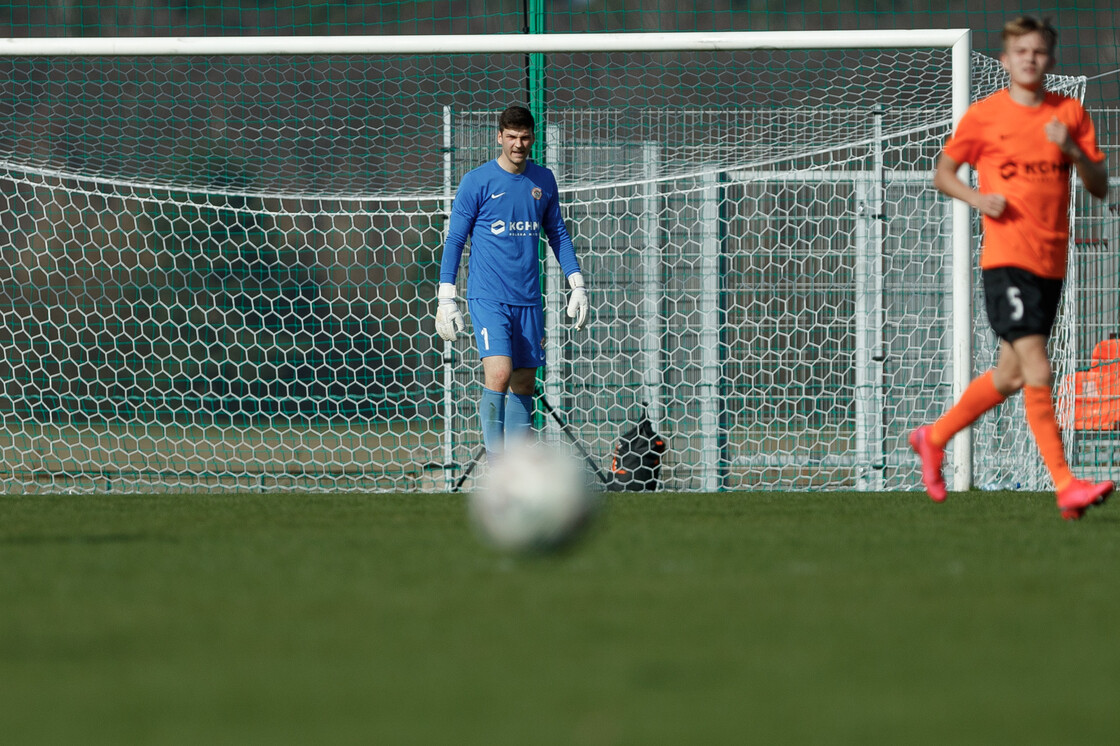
[{"x": 221, "y": 253}]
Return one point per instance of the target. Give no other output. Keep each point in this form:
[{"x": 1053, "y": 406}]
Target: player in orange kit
[{"x": 1022, "y": 142}]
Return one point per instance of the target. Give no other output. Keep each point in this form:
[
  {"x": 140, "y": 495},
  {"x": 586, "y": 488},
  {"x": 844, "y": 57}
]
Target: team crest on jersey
[{"x": 537, "y": 193}]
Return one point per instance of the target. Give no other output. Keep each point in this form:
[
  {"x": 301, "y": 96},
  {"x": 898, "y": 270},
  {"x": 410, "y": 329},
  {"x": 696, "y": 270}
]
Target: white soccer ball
[{"x": 535, "y": 497}]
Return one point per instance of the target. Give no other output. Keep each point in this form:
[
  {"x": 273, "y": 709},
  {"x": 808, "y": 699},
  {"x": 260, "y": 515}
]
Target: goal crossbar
[{"x": 482, "y": 43}]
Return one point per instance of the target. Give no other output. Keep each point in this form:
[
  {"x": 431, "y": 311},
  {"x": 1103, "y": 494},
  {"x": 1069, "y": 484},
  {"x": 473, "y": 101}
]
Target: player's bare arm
[
  {"x": 1093, "y": 175},
  {"x": 945, "y": 179}
]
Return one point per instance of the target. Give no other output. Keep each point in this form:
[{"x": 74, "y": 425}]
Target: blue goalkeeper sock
[
  {"x": 519, "y": 417},
  {"x": 492, "y": 414}
]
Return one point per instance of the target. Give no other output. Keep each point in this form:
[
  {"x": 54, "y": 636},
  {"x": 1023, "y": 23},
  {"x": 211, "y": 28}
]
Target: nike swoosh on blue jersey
[{"x": 495, "y": 196}]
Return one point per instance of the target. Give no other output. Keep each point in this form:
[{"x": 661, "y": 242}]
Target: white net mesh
[{"x": 218, "y": 272}]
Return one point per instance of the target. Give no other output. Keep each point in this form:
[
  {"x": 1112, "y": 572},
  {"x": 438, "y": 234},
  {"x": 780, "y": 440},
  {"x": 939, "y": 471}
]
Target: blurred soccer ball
[{"x": 535, "y": 497}]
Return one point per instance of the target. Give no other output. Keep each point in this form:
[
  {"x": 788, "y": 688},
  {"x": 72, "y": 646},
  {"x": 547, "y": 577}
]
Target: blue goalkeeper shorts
[{"x": 514, "y": 331}]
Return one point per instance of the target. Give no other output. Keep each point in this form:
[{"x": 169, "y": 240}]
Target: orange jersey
[{"x": 1006, "y": 143}]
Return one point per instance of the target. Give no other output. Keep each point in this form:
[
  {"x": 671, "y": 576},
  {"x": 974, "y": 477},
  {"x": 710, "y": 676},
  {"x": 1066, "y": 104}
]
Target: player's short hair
[
  {"x": 1024, "y": 25},
  {"x": 516, "y": 118}
]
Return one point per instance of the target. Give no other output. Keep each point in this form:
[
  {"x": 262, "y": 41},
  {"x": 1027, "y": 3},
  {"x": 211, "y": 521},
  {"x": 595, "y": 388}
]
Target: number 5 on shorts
[{"x": 1016, "y": 304}]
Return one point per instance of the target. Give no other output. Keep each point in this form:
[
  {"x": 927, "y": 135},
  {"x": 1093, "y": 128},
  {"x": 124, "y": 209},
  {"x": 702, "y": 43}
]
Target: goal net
[{"x": 220, "y": 257}]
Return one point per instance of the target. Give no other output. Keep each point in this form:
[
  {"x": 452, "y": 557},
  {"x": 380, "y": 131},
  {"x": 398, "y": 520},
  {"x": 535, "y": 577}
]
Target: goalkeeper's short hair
[{"x": 516, "y": 118}]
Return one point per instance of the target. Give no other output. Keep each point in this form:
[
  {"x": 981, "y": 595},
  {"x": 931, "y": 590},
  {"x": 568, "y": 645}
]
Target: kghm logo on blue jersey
[
  {"x": 524, "y": 227},
  {"x": 516, "y": 227}
]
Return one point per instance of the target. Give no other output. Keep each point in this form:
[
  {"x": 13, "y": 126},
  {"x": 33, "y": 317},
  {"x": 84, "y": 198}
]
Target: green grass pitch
[{"x": 764, "y": 618}]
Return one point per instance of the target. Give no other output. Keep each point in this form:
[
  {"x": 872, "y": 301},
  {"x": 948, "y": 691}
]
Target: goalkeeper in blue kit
[{"x": 503, "y": 206}]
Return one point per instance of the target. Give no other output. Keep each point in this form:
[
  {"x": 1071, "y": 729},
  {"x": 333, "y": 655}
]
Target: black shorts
[{"x": 1020, "y": 303}]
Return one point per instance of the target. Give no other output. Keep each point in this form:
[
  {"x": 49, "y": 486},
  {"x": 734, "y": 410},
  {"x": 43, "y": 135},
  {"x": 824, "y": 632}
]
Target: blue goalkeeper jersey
[{"x": 504, "y": 214}]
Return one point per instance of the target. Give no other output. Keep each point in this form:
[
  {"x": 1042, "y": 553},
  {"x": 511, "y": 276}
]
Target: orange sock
[
  {"x": 980, "y": 396},
  {"x": 1040, "y": 416}
]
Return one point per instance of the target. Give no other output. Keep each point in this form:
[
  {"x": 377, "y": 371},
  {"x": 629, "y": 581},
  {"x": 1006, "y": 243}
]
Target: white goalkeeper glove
[
  {"x": 449, "y": 320},
  {"x": 578, "y": 306}
]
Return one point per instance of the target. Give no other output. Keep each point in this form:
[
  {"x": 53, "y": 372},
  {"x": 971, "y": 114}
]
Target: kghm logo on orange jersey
[{"x": 1034, "y": 170}]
